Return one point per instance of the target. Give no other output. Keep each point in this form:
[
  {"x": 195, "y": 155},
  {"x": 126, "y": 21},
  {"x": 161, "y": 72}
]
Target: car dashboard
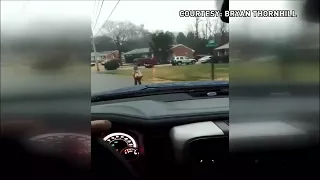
[
  {"x": 190, "y": 138},
  {"x": 162, "y": 130}
]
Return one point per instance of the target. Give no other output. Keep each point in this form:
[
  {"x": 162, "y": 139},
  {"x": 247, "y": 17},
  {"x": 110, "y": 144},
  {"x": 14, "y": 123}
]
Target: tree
[
  {"x": 224, "y": 30},
  {"x": 160, "y": 45},
  {"x": 190, "y": 40},
  {"x": 212, "y": 25},
  {"x": 172, "y": 36},
  {"x": 181, "y": 38},
  {"x": 121, "y": 31},
  {"x": 142, "y": 41},
  {"x": 216, "y": 30},
  {"x": 196, "y": 26},
  {"x": 104, "y": 43}
]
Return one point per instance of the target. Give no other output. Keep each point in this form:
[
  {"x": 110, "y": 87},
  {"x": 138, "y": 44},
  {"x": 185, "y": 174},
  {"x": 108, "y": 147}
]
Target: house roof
[
  {"x": 138, "y": 51},
  {"x": 147, "y": 50},
  {"x": 177, "y": 45},
  {"x": 226, "y": 46},
  {"x": 108, "y": 52},
  {"x": 103, "y": 53}
]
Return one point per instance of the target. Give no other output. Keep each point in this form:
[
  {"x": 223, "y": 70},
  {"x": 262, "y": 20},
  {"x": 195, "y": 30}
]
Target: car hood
[{"x": 165, "y": 86}]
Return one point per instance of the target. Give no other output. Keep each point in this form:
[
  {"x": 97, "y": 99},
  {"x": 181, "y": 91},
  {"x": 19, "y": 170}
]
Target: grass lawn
[
  {"x": 274, "y": 72},
  {"x": 241, "y": 72},
  {"x": 179, "y": 73}
]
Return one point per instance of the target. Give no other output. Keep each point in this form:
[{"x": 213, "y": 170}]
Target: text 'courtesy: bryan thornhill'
[{"x": 237, "y": 13}]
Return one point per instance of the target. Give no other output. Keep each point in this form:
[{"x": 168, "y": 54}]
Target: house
[
  {"x": 221, "y": 54},
  {"x": 111, "y": 54},
  {"x": 182, "y": 50},
  {"x": 137, "y": 53},
  {"x": 96, "y": 56},
  {"x": 177, "y": 50},
  {"x": 222, "y": 50},
  {"x": 105, "y": 55}
]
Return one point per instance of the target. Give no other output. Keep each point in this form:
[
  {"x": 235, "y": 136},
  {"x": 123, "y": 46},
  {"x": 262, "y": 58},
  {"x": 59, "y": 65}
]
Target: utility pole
[
  {"x": 95, "y": 54},
  {"x": 212, "y": 68}
]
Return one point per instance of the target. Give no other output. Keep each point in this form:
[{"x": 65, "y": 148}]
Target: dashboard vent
[{"x": 212, "y": 93}]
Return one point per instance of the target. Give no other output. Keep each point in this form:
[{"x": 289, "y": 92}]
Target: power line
[
  {"x": 108, "y": 16},
  {"x": 94, "y": 10},
  {"x": 98, "y": 15}
]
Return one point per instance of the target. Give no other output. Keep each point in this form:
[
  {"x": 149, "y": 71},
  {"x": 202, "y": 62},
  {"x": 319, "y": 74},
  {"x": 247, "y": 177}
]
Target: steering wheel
[{"x": 105, "y": 159}]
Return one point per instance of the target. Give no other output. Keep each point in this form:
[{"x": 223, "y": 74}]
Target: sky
[{"x": 154, "y": 15}]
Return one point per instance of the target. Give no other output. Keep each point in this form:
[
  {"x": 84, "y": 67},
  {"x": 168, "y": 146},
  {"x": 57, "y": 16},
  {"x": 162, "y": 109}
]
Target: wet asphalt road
[{"x": 104, "y": 82}]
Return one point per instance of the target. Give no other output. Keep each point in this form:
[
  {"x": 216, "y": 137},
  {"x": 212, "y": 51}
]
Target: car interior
[
  {"x": 188, "y": 137},
  {"x": 185, "y": 135}
]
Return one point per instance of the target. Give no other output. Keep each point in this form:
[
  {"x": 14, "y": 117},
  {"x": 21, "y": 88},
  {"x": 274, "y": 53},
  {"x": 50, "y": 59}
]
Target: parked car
[
  {"x": 197, "y": 57},
  {"x": 180, "y": 60},
  {"x": 205, "y": 59},
  {"x": 93, "y": 64},
  {"x": 146, "y": 62}
]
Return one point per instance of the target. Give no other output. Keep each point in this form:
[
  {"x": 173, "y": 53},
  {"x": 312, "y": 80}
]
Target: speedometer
[{"x": 120, "y": 141}]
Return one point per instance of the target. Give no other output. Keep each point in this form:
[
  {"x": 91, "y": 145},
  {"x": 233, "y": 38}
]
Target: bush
[{"x": 111, "y": 65}]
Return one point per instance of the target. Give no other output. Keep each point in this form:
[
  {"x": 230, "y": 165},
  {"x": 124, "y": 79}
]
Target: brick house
[
  {"x": 182, "y": 50},
  {"x": 177, "y": 50}
]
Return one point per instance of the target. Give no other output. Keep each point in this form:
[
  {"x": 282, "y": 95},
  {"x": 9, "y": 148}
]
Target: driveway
[{"x": 106, "y": 82}]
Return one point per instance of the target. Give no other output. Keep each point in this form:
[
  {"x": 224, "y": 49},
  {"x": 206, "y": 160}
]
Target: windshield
[{"x": 163, "y": 46}]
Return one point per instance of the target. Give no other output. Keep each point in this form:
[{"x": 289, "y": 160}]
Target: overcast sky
[{"x": 155, "y": 15}]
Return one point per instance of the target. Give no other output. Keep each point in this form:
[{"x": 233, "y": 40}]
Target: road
[
  {"x": 106, "y": 82},
  {"x": 142, "y": 67}
]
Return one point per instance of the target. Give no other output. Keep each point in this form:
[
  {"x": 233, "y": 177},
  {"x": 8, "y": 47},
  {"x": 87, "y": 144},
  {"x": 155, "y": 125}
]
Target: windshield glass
[
  {"x": 153, "y": 36},
  {"x": 163, "y": 46}
]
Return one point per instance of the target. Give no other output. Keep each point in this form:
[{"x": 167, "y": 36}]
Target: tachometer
[{"x": 120, "y": 141}]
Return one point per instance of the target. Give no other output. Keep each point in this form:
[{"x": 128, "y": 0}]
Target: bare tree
[
  {"x": 224, "y": 27},
  {"x": 196, "y": 26},
  {"x": 217, "y": 29},
  {"x": 121, "y": 31},
  {"x": 190, "y": 28},
  {"x": 204, "y": 30},
  {"x": 224, "y": 31},
  {"x": 212, "y": 26}
]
